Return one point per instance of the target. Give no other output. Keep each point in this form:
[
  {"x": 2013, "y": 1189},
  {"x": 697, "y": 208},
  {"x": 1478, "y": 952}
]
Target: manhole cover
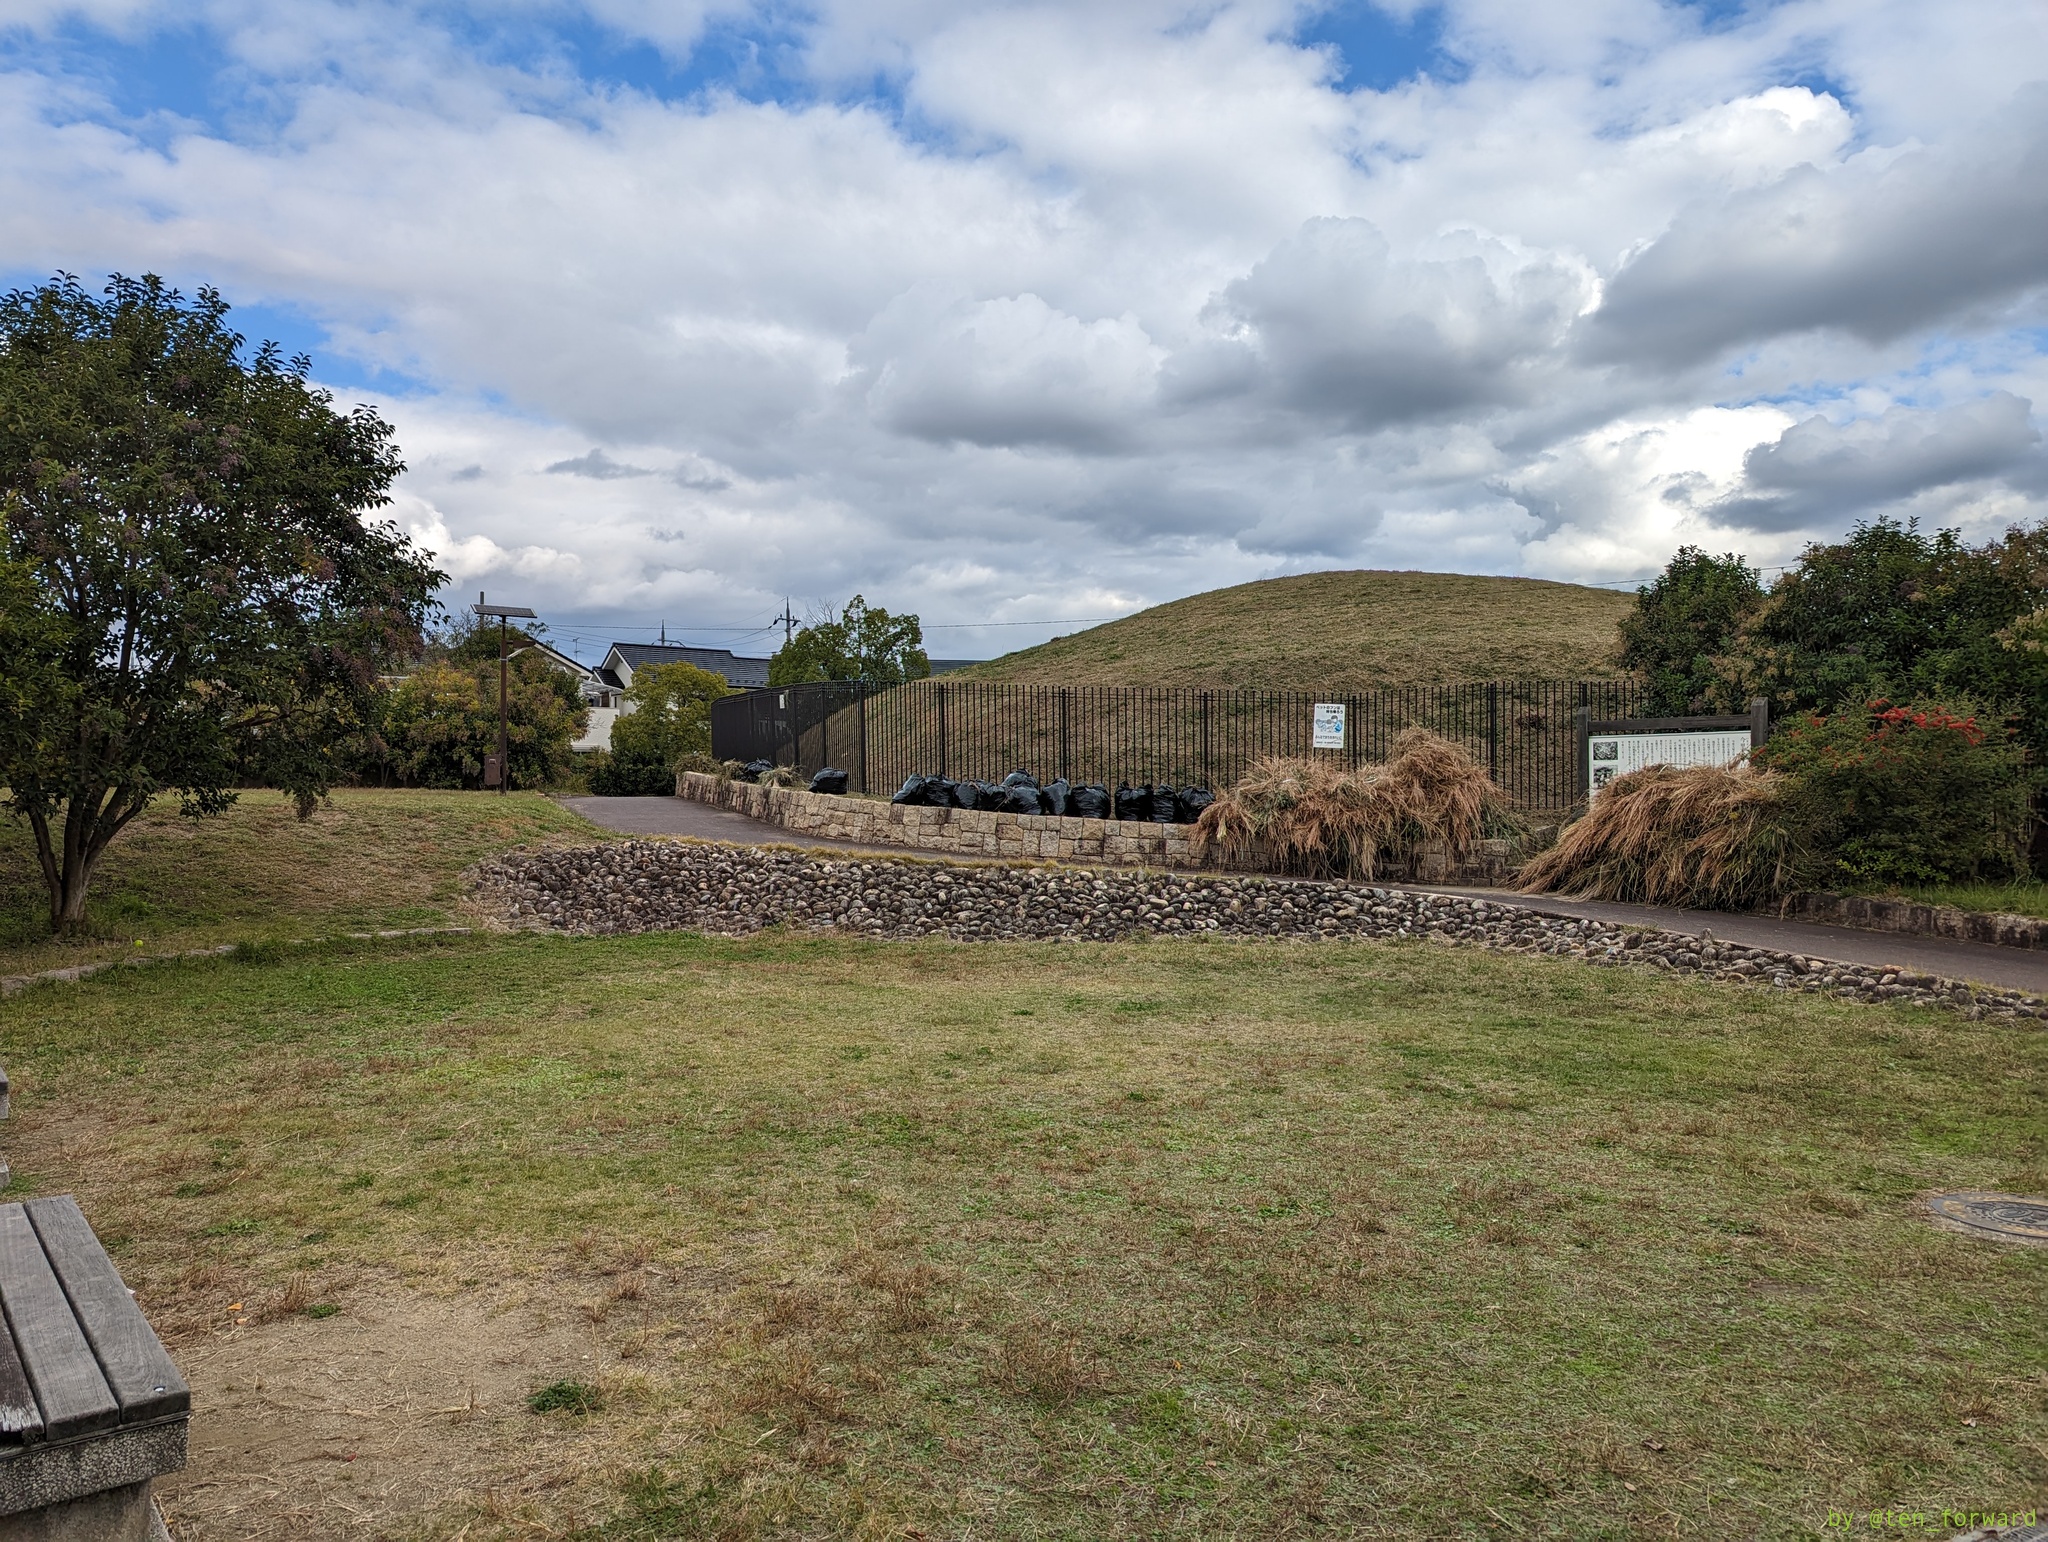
[{"x": 2001, "y": 1217}]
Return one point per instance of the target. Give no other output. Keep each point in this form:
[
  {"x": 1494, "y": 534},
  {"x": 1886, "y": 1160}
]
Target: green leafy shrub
[
  {"x": 630, "y": 774},
  {"x": 1909, "y": 794},
  {"x": 439, "y": 722}
]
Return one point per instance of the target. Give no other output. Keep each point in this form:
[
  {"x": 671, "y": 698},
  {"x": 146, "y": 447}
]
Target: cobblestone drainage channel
[{"x": 1996, "y": 1217}]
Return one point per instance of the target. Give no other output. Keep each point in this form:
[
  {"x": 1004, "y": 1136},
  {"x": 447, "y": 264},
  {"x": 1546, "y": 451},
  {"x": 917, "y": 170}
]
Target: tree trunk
[
  {"x": 90, "y": 824},
  {"x": 67, "y": 903}
]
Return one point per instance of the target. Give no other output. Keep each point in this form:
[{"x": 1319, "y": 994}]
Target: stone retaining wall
[
  {"x": 1909, "y": 916},
  {"x": 952, "y": 832},
  {"x": 960, "y": 832}
]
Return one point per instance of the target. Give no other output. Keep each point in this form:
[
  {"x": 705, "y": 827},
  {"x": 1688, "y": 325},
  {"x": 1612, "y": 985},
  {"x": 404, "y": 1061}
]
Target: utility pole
[
  {"x": 788, "y": 620},
  {"x": 495, "y": 766}
]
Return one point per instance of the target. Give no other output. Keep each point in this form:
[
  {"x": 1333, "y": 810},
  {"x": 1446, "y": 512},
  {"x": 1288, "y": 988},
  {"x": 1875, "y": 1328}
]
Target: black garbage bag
[
  {"x": 1021, "y": 778},
  {"x": 1189, "y": 803},
  {"x": 1163, "y": 796},
  {"x": 830, "y": 779},
  {"x": 911, "y": 792},
  {"x": 940, "y": 793},
  {"x": 1133, "y": 802},
  {"x": 1089, "y": 801},
  {"x": 1052, "y": 797},
  {"x": 1017, "y": 800},
  {"x": 974, "y": 795},
  {"x": 753, "y": 770}
]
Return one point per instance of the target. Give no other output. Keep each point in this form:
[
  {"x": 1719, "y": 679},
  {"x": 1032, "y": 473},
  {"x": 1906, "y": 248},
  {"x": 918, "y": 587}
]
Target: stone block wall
[
  {"x": 953, "y": 832},
  {"x": 959, "y": 832},
  {"x": 1871, "y": 913}
]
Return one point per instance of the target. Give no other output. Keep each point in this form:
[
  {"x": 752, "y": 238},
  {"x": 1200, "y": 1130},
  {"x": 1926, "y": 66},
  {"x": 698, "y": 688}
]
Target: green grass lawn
[
  {"x": 1179, "y": 1239},
  {"x": 2028, "y": 897},
  {"x": 366, "y": 859}
]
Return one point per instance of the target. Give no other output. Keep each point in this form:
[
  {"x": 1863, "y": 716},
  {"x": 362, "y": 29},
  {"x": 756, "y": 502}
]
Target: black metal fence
[{"x": 1522, "y": 731}]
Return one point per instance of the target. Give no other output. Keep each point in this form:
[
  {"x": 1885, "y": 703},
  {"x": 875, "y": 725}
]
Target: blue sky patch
[
  {"x": 1378, "y": 50},
  {"x": 176, "y": 73}
]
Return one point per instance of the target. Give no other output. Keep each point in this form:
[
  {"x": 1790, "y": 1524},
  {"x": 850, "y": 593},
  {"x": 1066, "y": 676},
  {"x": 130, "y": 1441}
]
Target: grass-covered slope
[
  {"x": 366, "y": 859},
  {"x": 1345, "y": 630}
]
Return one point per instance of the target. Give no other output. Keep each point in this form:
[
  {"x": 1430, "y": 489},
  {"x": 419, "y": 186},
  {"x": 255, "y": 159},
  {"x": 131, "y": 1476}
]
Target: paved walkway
[
  {"x": 2019, "y": 969},
  {"x": 2008, "y": 968},
  {"x": 681, "y": 816}
]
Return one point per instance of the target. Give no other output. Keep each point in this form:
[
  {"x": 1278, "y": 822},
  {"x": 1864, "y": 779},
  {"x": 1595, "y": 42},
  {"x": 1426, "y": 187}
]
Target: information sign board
[
  {"x": 1613, "y": 755},
  {"x": 1329, "y": 726}
]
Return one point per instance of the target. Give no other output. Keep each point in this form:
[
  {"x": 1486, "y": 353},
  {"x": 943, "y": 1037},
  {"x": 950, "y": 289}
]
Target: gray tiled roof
[{"x": 737, "y": 670}]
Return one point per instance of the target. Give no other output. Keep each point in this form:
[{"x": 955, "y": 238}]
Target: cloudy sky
[{"x": 1027, "y": 313}]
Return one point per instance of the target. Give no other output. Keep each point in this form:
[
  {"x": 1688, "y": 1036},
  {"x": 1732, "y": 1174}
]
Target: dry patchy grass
[{"x": 849, "y": 1239}]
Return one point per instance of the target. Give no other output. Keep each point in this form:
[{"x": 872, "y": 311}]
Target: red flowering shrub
[{"x": 1909, "y": 794}]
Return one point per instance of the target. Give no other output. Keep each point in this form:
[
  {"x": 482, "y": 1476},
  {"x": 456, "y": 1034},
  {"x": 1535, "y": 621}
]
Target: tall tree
[
  {"x": 1683, "y": 623},
  {"x": 667, "y": 713},
  {"x": 863, "y": 643},
  {"x": 184, "y": 531}
]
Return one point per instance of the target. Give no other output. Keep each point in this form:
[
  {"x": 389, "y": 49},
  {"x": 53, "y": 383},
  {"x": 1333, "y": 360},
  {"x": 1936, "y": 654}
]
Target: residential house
[{"x": 604, "y": 685}]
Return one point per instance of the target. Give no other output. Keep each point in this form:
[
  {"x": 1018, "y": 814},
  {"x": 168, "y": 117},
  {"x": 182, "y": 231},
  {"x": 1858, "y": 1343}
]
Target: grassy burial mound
[
  {"x": 1318, "y": 636},
  {"x": 1344, "y": 631}
]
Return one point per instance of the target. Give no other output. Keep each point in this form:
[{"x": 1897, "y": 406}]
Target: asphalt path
[
  {"x": 2018, "y": 969},
  {"x": 700, "y": 821},
  {"x": 2008, "y": 968}
]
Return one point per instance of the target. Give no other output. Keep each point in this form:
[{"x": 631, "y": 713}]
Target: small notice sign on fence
[{"x": 1328, "y": 732}]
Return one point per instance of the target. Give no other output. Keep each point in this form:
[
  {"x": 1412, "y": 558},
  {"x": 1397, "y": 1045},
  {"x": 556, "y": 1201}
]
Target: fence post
[
  {"x": 824, "y": 727},
  {"x": 861, "y": 701},
  {"x": 1759, "y": 721},
  {"x": 1061, "y": 702},
  {"x": 1493, "y": 731},
  {"x": 1208, "y": 744},
  {"x": 942, "y": 728},
  {"x": 1582, "y": 736}
]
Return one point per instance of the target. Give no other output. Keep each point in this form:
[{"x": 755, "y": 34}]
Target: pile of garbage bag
[{"x": 1021, "y": 793}]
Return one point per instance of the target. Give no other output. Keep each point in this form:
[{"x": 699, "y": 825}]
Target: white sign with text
[
  {"x": 1329, "y": 726},
  {"x": 1615, "y": 755}
]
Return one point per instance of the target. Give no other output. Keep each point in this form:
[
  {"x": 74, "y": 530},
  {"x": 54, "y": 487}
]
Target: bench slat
[
  {"x": 20, "y": 1420},
  {"x": 138, "y": 1372},
  {"x": 69, "y": 1388}
]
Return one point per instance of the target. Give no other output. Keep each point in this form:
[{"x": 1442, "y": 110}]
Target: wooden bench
[{"x": 91, "y": 1408}]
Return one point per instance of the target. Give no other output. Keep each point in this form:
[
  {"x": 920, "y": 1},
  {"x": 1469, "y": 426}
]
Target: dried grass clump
[
  {"x": 1704, "y": 837},
  {"x": 1318, "y": 816}
]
